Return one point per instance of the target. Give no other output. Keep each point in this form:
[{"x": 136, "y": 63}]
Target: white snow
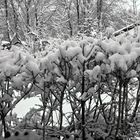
[
  {"x": 103, "y": 57},
  {"x": 95, "y": 72},
  {"x": 84, "y": 96},
  {"x": 132, "y": 73},
  {"x": 5, "y": 42},
  {"x": 118, "y": 60},
  {"x": 32, "y": 67},
  {"x": 100, "y": 56},
  {"x": 6, "y": 98},
  {"x": 17, "y": 81},
  {"x": 61, "y": 79}
]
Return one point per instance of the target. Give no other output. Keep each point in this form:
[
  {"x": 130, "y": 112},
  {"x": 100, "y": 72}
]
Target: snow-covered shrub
[{"x": 75, "y": 70}]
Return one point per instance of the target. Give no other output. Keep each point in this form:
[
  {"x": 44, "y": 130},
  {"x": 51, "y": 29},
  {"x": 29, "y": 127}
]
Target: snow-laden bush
[{"x": 77, "y": 71}]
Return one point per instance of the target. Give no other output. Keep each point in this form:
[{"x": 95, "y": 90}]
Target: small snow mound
[{"x": 5, "y": 42}]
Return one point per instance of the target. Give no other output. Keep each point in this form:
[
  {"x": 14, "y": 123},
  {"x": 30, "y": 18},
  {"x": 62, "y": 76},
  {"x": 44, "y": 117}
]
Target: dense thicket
[{"x": 57, "y": 51}]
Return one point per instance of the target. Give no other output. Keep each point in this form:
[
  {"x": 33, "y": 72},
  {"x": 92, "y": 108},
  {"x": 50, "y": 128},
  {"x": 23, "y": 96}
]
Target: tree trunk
[
  {"x": 84, "y": 8},
  {"x": 61, "y": 112},
  {"x": 78, "y": 12},
  {"x": 83, "y": 120},
  {"x": 28, "y": 17},
  {"x": 137, "y": 104},
  {"x": 61, "y": 107},
  {"x": 119, "y": 109},
  {"x": 7, "y": 35},
  {"x": 15, "y": 17},
  {"x": 36, "y": 17},
  {"x": 44, "y": 99},
  {"x": 43, "y": 122},
  {"x": 3, "y": 123},
  {"x": 123, "y": 106},
  {"x": 69, "y": 20},
  {"x": 99, "y": 14},
  {"x": 83, "y": 102},
  {"x": 70, "y": 25},
  {"x": 27, "y": 5}
]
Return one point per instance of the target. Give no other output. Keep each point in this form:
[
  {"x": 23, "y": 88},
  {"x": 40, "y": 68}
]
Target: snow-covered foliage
[{"x": 59, "y": 73}]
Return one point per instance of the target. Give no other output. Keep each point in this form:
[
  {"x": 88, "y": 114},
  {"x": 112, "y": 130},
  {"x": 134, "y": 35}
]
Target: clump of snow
[
  {"x": 44, "y": 63},
  {"x": 32, "y": 67},
  {"x": 6, "y": 98},
  {"x": 95, "y": 72},
  {"x": 127, "y": 46},
  {"x": 87, "y": 50},
  {"x": 5, "y": 42},
  {"x": 84, "y": 96},
  {"x": 53, "y": 56},
  {"x": 100, "y": 56},
  {"x": 121, "y": 39},
  {"x": 131, "y": 74},
  {"x": 88, "y": 73},
  {"x": 137, "y": 50},
  {"x": 65, "y": 46},
  {"x": 72, "y": 52},
  {"x": 130, "y": 57},
  {"x": 17, "y": 81},
  {"x": 109, "y": 31},
  {"x": 118, "y": 61},
  {"x": 10, "y": 69},
  {"x": 91, "y": 40},
  {"x": 138, "y": 68},
  {"x": 61, "y": 79},
  {"x": 111, "y": 46},
  {"x": 105, "y": 68},
  {"x": 81, "y": 58},
  {"x": 57, "y": 71},
  {"x": 91, "y": 90}
]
